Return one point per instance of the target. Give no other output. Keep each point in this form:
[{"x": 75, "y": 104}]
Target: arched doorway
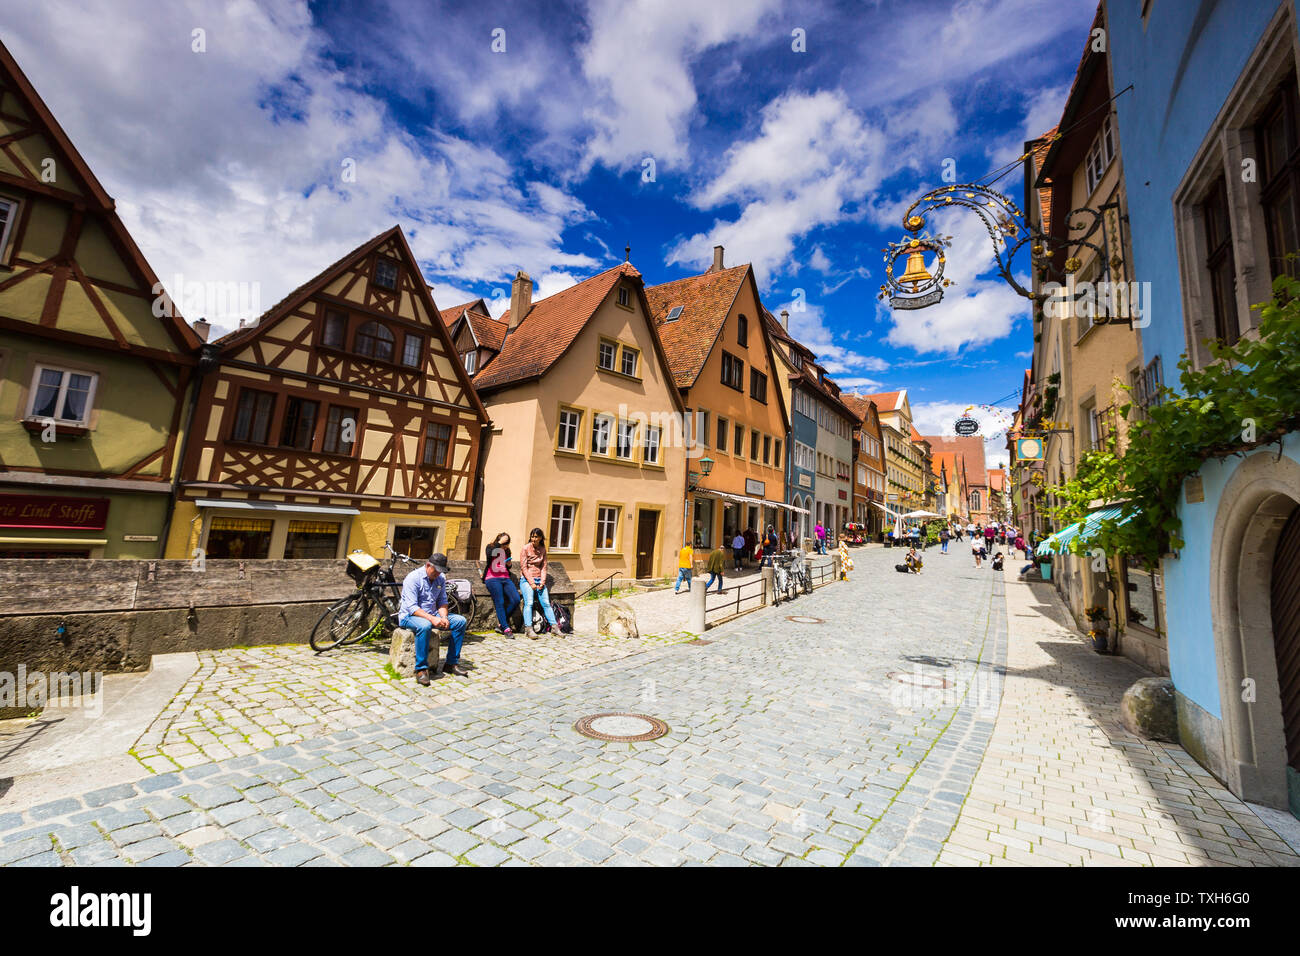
[{"x": 1255, "y": 593}]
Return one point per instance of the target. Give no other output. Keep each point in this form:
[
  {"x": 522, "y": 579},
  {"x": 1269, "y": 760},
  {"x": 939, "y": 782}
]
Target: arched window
[
  {"x": 374, "y": 341},
  {"x": 974, "y": 501}
]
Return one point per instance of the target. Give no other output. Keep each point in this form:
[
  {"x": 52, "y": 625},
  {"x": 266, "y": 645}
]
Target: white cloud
[
  {"x": 808, "y": 326},
  {"x": 819, "y": 260},
  {"x": 937, "y": 418}
]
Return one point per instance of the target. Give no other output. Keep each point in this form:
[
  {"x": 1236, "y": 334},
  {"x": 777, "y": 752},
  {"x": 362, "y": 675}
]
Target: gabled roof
[
  {"x": 489, "y": 333},
  {"x": 859, "y": 404},
  {"x": 889, "y": 401},
  {"x": 289, "y": 303},
  {"x": 184, "y": 337},
  {"x": 968, "y": 448},
  {"x": 449, "y": 316},
  {"x": 706, "y": 301},
  {"x": 546, "y": 332}
]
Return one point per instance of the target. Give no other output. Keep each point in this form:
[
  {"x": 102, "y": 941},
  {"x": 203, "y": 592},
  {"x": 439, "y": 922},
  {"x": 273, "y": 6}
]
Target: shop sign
[
  {"x": 44, "y": 511},
  {"x": 754, "y": 487},
  {"x": 966, "y": 426},
  {"x": 805, "y": 480}
]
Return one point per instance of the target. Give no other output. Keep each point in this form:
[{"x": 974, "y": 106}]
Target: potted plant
[{"x": 1099, "y": 632}]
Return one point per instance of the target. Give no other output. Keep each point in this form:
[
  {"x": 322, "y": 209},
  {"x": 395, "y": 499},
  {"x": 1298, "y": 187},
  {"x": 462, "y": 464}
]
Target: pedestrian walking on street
[
  {"x": 496, "y": 578},
  {"x": 717, "y": 558},
  {"x": 771, "y": 545},
  {"x": 532, "y": 582},
  {"x": 685, "y": 563},
  {"x": 820, "y": 532},
  {"x": 737, "y": 551},
  {"x": 1020, "y": 545},
  {"x": 976, "y": 549},
  {"x": 423, "y": 608},
  {"x": 943, "y": 539},
  {"x": 988, "y": 538}
]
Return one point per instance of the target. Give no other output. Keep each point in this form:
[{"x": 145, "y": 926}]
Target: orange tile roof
[
  {"x": 887, "y": 401},
  {"x": 916, "y": 436},
  {"x": 490, "y": 332},
  {"x": 449, "y": 316},
  {"x": 706, "y": 300},
  {"x": 1000, "y": 483},
  {"x": 1041, "y": 147},
  {"x": 860, "y": 405},
  {"x": 970, "y": 449},
  {"x": 547, "y": 331}
]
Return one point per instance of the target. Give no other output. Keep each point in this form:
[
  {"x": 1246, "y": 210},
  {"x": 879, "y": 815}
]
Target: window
[
  {"x": 605, "y": 355},
  {"x": 312, "y": 539},
  {"x": 607, "y": 528},
  {"x": 562, "y": 515},
  {"x": 62, "y": 394},
  {"x": 570, "y": 423},
  {"x": 776, "y": 454},
  {"x": 804, "y": 457},
  {"x": 630, "y": 359},
  {"x": 652, "y": 439},
  {"x": 702, "y": 433},
  {"x": 334, "y": 330},
  {"x": 675, "y": 314},
  {"x": 1143, "y": 598},
  {"x": 1100, "y": 154},
  {"x": 8, "y": 216},
  {"x": 723, "y": 426},
  {"x": 767, "y": 449},
  {"x": 974, "y": 501},
  {"x": 1219, "y": 264},
  {"x": 385, "y": 273},
  {"x": 340, "y": 430},
  {"x": 470, "y": 359},
  {"x": 1280, "y": 177},
  {"x": 253, "y": 416},
  {"x": 626, "y": 440},
  {"x": 239, "y": 538},
  {"x": 419, "y": 541},
  {"x": 738, "y": 445},
  {"x": 742, "y": 331},
  {"x": 1151, "y": 383},
  {"x": 412, "y": 349},
  {"x": 601, "y": 426},
  {"x": 437, "y": 444},
  {"x": 757, "y": 386},
  {"x": 753, "y": 444},
  {"x": 374, "y": 341},
  {"x": 299, "y": 424},
  {"x": 624, "y": 297},
  {"x": 733, "y": 371}
]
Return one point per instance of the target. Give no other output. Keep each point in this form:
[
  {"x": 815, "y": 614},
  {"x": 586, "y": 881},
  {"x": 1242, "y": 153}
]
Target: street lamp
[{"x": 693, "y": 478}]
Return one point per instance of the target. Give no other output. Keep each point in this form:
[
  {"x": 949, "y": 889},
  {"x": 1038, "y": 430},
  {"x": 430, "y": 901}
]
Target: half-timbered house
[
  {"x": 340, "y": 420},
  {"x": 93, "y": 377},
  {"x": 477, "y": 336}
]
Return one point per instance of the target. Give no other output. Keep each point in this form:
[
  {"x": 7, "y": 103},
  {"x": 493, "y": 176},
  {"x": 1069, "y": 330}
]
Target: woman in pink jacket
[{"x": 532, "y": 579}]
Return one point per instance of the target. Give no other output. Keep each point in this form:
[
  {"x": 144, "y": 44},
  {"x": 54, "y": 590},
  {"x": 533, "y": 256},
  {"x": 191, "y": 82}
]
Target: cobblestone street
[{"x": 878, "y": 733}]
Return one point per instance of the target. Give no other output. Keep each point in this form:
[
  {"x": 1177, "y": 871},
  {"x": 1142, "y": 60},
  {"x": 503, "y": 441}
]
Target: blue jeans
[
  {"x": 821, "y": 545},
  {"x": 683, "y": 574},
  {"x": 543, "y": 596},
  {"x": 708, "y": 584},
  {"x": 945, "y": 545},
  {"x": 422, "y": 626},
  {"x": 505, "y": 598}
]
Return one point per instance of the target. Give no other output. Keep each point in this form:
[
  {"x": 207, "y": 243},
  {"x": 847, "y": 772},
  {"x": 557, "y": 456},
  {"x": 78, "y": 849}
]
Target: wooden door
[
  {"x": 647, "y": 523},
  {"x": 1286, "y": 644}
]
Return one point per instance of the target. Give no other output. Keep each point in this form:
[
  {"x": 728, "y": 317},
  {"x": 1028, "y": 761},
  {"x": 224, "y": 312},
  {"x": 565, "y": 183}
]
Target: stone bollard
[
  {"x": 1148, "y": 709},
  {"x": 835, "y": 563},
  {"x": 696, "y": 623},
  {"x": 615, "y": 618},
  {"x": 807, "y": 570},
  {"x": 401, "y": 652},
  {"x": 766, "y": 573}
]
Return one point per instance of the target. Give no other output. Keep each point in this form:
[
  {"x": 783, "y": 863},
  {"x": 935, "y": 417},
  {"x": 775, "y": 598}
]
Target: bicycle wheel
[
  {"x": 339, "y": 622},
  {"x": 778, "y": 586},
  {"x": 371, "y": 621}
]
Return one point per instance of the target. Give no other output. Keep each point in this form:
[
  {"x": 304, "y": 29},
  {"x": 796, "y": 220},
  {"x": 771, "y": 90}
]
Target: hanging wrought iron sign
[
  {"x": 966, "y": 426},
  {"x": 1029, "y": 449},
  {"x": 918, "y": 286}
]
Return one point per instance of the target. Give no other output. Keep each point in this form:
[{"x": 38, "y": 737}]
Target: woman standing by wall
[
  {"x": 496, "y": 578},
  {"x": 532, "y": 581}
]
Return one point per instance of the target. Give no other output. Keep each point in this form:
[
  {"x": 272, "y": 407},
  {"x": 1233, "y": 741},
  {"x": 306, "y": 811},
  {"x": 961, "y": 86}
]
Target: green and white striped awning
[{"x": 1058, "y": 543}]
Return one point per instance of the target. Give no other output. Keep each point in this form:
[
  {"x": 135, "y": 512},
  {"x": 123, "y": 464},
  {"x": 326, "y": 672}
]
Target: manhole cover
[
  {"x": 804, "y": 619},
  {"x": 927, "y": 681},
  {"x": 623, "y": 728}
]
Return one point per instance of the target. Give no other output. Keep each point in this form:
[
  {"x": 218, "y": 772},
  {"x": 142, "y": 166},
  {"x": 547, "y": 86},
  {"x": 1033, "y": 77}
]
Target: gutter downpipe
[{"x": 207, "y": 361}]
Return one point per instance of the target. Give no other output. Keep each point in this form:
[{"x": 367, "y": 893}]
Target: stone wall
[{"x": 115, "y": 615}]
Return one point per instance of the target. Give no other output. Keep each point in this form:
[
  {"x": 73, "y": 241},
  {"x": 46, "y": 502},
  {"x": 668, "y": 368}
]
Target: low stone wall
[{"x": 105, "y": 615}]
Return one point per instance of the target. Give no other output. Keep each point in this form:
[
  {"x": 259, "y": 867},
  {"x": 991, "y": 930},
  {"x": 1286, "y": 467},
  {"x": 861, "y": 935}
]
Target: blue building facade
[{"x": 1213, "y": 90}]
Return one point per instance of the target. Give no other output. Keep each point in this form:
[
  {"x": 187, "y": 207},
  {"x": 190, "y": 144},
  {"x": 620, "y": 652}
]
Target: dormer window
[
  {"x": 385, "y": 273},
  {"x": 675, "y": 314},
  {"x": 624, "y": 297},
  {"x": 1100, "y": 154}
]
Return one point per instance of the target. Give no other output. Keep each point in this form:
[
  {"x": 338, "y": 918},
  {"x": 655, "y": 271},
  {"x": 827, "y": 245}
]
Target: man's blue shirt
[{"x": 419, "y": 592}]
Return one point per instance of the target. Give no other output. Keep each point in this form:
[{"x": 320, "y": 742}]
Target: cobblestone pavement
[
  {"x": 853, "y": 741},
  {"x": 244, "y": 700},
  {"x": 1064, "y": 783}
]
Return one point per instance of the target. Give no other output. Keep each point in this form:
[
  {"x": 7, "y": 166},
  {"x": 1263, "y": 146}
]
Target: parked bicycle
[
  {"x": 789, "y": 576},
  {"x": 371, "y": 611}
]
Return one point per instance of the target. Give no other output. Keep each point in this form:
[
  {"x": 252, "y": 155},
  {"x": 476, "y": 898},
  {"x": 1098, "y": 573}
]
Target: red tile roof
[
  {"x": 970, "y": 448},
  {"x": 887, "y": 401},
  {"x": 706, "y": 300},
  {"x": 859, "y": 404},
  {"x": 490, "y": 332},
  {"x": 547, "y": 331},
  {"x": 449, "y": 316}
]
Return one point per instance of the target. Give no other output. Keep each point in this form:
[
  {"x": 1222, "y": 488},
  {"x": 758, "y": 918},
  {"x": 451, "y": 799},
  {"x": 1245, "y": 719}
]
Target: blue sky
[{"x": 227, "y": 161}]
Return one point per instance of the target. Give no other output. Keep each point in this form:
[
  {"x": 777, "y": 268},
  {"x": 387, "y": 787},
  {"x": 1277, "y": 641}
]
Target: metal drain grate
[{"x": 621, "y": 727}]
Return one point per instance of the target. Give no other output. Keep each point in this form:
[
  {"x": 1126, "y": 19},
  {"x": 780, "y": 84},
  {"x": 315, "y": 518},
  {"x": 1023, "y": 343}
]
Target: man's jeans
[
  {"x": 945, "y": 545},
  {"x": 712, "y": 576},
  {"x": 543, "y": 596},
  {"x": 505, "y": 598},
  {"x": 683, "y": 574},
  {"x": 422, "y": 626}
]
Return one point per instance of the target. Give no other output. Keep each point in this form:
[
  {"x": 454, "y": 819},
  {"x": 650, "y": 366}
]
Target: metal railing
[
  {"x": 735, "y": 598},
  {"x": 822, "y": 574},
  {"x": 597, "y": 585}
]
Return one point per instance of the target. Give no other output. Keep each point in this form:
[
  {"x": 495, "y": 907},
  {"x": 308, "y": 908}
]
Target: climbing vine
[{"x": 1247, "y": 397}]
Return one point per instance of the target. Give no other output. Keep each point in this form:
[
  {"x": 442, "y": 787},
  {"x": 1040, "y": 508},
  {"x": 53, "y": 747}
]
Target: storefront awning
[
  {"x": 744, "y": 500},
  {"x": 274, "y": 506},
  {"x": 1058, "y": 543},
  {"x": 882, "y": 507}
]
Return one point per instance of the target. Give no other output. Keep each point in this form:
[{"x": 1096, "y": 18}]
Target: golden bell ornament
[{"x": 916, "y": 273}]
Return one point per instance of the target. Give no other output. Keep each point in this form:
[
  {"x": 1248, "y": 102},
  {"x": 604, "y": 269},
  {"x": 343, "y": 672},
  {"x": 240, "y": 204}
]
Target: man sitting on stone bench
[{"x": 424, "y": 607}]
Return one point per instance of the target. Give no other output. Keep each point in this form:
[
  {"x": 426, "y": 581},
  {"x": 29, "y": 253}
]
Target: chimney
[
  {"x": 521, "y": 297},
  {"x": 717, "y": 260},
  {"x": 785, "y": 319},
  {"x": 201, "y": 328}
]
